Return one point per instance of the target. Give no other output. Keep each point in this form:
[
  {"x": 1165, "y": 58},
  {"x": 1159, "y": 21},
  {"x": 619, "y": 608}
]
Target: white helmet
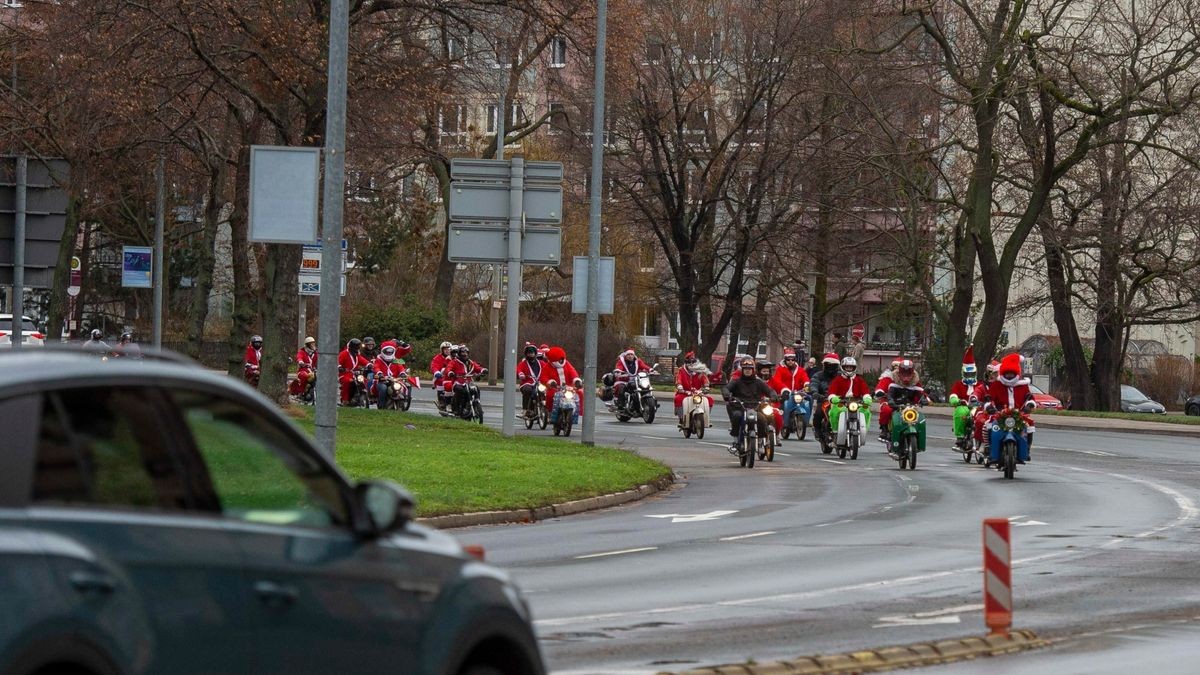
[{"x": 849, "y": 365}]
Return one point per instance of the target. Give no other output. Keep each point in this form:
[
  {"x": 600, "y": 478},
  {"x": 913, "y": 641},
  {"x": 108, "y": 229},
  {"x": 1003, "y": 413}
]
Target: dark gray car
[
  {"x": 158, "y": 518},
  {"x": 1133, "y": 400}
]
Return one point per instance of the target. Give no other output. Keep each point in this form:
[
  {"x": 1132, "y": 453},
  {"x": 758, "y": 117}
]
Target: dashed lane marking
[
  {"x": 747, "y": 536},
  {"x": 622, "y": 552}
]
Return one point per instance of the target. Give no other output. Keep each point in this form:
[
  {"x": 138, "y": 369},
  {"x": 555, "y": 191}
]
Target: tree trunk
[
  {"x": 206, "y": 259},
  {"x": 245, "y": 309},
  {"x": 1075, "y": 366},
  {"x": 59, "y": 300},
  {"x": 280, "y": 308},
  {"x": 443, "y": 279},
  {"x": 820, "y": 308}
]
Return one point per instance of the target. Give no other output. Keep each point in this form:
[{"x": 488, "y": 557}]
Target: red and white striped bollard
[{"x": 997, "y": 575}]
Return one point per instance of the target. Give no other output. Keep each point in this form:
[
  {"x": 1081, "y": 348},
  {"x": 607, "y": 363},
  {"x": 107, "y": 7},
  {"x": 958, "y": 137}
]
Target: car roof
[{"x": 44, "y": 365}]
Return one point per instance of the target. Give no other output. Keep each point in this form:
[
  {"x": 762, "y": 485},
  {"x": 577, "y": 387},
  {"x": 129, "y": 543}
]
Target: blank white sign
[{"x": 284, "y": 185}]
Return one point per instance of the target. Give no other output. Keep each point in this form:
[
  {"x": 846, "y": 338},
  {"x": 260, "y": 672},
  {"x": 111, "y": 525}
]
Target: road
[{"x": 811, "y": 554}]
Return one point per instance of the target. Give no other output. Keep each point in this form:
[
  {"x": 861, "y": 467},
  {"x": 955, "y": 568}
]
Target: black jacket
[
  {"x": 820, "y": 382},
  {"x": 748, "y": 390}
]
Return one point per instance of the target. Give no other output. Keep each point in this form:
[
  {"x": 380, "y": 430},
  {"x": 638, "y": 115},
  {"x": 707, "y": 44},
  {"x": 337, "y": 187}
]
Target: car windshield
[
  {"x": 26, "y": 326},
  {"x": 1035, "y": 389},
  {"x": 1129, "y": 393}
]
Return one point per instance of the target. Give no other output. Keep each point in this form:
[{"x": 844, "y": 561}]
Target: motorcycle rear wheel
[
  {"x": 477, "y": 408},
  {"x": 406, "y": 402}
]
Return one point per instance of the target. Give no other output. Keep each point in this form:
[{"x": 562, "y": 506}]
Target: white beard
[{"x": 1013, "y": 382}]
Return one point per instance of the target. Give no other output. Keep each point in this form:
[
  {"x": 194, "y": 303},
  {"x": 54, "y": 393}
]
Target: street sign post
[{"x": 492, "y": 202}]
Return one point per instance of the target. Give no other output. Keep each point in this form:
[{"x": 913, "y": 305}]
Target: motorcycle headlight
[
  {"x": 768, "y": 411},
  {"x": 362, "y": 379},
  {"x": 909, "y": 415},
  {"x": 569, "y": 396},
  {"x": 1010, "y": 423},
  {"x": 541, "y": 387},
  {"x": 798, "y": 398},
  {"x": 396, "y": 386},
  {"x": 696, "y": 399},
  {"x": 853, "y": 407}
]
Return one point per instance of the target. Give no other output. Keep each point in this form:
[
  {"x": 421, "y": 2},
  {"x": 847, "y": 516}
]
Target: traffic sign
[
  {"x": 480, "y": 243},
  {"x": 310, "y": 284},
  {"x": 858, "y": 331},
  {"x": 489, "y": 202},
  {"x": 497, "y": 170}
]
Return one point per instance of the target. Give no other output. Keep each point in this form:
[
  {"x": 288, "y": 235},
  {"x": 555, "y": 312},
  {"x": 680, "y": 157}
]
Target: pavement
[{"x": 812, "y": 555}]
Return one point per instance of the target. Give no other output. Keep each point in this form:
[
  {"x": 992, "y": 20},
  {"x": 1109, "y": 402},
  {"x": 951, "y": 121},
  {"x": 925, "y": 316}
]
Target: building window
[
  {"x": 558, "y": 52},
  {"x": 651, "y": 326},
  {"x": 454, "y": 48},
  {"x": 452, "y": 120},
  {"x": 491, "y": 119},
  {"x": 504, "y": 56},
  {"x": 654, "y": 50},
  {"x": 516, "y": 115}
]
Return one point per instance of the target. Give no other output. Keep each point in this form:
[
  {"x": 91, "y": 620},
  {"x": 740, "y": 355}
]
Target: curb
[
  {"x": 887, "y": 658},
  {"x": 455, "y": 520}
]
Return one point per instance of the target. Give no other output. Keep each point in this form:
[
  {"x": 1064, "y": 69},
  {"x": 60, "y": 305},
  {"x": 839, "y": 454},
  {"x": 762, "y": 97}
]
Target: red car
[{"x": 1043, "y": 400}]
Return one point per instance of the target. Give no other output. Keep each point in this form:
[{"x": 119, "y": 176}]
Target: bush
[
  {"x": 1167, "y": 381},
  {"x": 569, "y": 336},
  {"x": 404, "y": 318}
]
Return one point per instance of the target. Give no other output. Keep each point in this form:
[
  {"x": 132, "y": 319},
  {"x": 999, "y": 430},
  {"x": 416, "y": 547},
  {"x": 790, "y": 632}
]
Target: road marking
[
  {"x": 656, "y": 438},
  {"x": 949, "y": 615},
  {"x": 608, "y": 553},
  {"x": 747, "y": 536},
  {"x": 1018, "y": 521},
  {"x": 719, "y": 445},
  {"x": 692, "y": 518},
  {"x": 783, "y": 454},
  {"x": 831, "y": 461}
]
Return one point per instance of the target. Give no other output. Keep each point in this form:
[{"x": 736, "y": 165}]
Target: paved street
[{"x": 811, "y": 554}]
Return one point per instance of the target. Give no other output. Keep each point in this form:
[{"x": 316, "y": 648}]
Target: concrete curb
[
  {"x": 546, "y": 512},
  {"x": 887, "y": 658}
]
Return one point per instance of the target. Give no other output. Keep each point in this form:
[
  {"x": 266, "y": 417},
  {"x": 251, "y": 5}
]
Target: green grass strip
[{"x": 453, "y": 466}]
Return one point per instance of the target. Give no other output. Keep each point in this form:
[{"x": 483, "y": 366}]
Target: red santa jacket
[
  {"x": 884, "y": 382},
  {"x": 690, "y": 381},
  {"x": 621, "y": 367},
  {"x": 439, "y": 363},
  {"x": 1004, "y": 396},
  {"x": 350, "y": 363},
  {"x": 791, "y": 380},
  {"x": 965, "y": 392},
  {"x": 529, "y": 373},
  {"x": 253, "y": 357},
  {"x": 395, "y": 368},
  {"x": 566, "y": 375},
  {"x": 305, "y": 361},
  {"x": 848, "y": 386},
  {"x": 462, "y": 369}
]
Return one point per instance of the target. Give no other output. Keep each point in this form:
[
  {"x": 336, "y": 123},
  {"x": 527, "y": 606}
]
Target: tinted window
[
  {"x": 106, "y": 446},
  {"x": 26, "y": 326},
  {"x": 257, "y": 471},
  {"x": 1131, "y": 394}
]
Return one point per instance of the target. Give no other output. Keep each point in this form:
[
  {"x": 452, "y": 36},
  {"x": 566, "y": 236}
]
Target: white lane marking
[
  {"x": 692, "y": 518},
  {"x": 656, "y": 438},
  {"x": 623, "y": 552},
  {"x": 831, "y": 461},
  {"x": 783, "y": 454},
  {"x": 719, "y": 445},
  {"x": 747, "y": 536},
  {"x": 1026, "y": 523},
  {"x": 901, "y": 621}
]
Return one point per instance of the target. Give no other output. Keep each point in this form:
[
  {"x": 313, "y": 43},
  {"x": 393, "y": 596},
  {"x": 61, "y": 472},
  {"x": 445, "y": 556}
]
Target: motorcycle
[
  {"x": 537, "y": 413},
  {"x": 766, "y": 448},
  {"x": 566, "y": 410},
  {"x": 852, "y": 421},
  {"x": 748, "y": 441},
  {"x": 800, "y": 417},
  {"x": 398, "y": 390},
  {"x": 309, "y": 395},
  {"x": 637, "y": 397},
  {"x": 907, "y": 435},
  {"x": 1009, "y": 444},
  {"x": 696, "y": 414},
  {"x": 964, "y": 429},
  {"x": 470, "y": 409},
  {"x": 820, "y": 424},
  {"x": 252, "y": 373},
  {"x": 360, "y": 397}
]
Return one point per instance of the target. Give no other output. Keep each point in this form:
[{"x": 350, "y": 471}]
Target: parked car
[
  {"x": 29, "y": 332},
  {"x": 159, "y": 518},
  {"x": 1043, "y": 400},
  {"x": 1192, "y": 405},
  {"x": 1135, "y": 401}
]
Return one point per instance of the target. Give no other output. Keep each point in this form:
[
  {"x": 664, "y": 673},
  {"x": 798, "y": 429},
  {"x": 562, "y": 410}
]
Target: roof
[{"x": 35, "y": 365}]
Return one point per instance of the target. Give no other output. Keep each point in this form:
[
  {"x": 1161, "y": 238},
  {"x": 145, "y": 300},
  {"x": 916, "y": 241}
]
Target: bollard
[{"x": 997, "y": 576}]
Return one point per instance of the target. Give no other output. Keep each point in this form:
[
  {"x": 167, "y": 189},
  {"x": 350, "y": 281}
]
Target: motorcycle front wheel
[
  {"x": 543, "y": 417},
  {"x": 566, "y": 425},
  {"x": 698, "y": 423},
  {"x": 751, "y": 451},
  {"x": 648, "y": 413},
  {"x": 854, "y": 447},
  {"x": 803, "y": 429},
  {"x": 1008, "y": 456},
  {"x": 406, "y": 401},
  {"x": 912, "y": 453},
  {"x": 477, "y": 409}
]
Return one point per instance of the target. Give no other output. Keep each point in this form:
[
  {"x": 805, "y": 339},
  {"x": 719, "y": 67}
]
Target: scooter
[
  {"x": 470, "y": 409},
  {"x": 800, "y": 416},
  {"x": 359, "y": 396},
  {"x": 964, "y": 428},
  {"x": 908, "y": 435},
  {"x": 537, "y": 413},
  {"x": 398, "y": 390},
  {"x": 852, "y": 420},
  {"x": 696, "y": 414},
  {"x": 1009, "y": 441},
  {"x": 566, "y": 410}
]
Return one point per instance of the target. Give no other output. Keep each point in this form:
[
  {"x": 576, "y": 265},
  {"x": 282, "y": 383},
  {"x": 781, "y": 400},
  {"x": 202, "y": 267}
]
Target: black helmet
[
  {"x": 369, "y": 340},
  {"x": 127, "y": 335},
  {"x": 463, "y": 350},
  {"x": 354, "y": 344},
  {"x": 531, "y": 350}
]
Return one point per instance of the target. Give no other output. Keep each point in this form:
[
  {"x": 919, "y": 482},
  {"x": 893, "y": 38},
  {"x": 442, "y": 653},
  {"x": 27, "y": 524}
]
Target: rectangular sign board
[
  {"x": 499, "y": 170},
  {"x": 478, "y": 243},
  {"x": 137, "y": 264},
  {"x": 579, "y": 284},
  {"x": 45, "y": 217},
  {"x": 310, "y": 284},
  {"x": 284, "y": 189},
  {"x": 489, "y": 203}
]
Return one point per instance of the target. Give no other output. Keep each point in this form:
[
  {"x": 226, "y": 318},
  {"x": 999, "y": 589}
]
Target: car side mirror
[{"x": 389, "y": 506}]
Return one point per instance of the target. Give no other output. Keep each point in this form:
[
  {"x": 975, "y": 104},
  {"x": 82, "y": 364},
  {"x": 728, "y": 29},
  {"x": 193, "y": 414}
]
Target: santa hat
[
  {"x": 1011, "y": 363},
  {"x": 969, "y": 356},
  {"x": 788, "y": 351},
  {"x": 689, "y": 355},
  {"x": 543, "y": 348},
  {"x": 628, "y": 352},
  {"x": 994, "y": 366},
  {"x": 831, "y": 357},
  {"x": 555, "y": 354}
]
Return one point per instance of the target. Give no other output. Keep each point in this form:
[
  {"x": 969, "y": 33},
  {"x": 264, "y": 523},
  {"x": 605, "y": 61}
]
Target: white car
[{"x": 31, "y": 336}]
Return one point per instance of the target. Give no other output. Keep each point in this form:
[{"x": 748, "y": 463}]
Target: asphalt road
[{"x": 810, "y": 554}]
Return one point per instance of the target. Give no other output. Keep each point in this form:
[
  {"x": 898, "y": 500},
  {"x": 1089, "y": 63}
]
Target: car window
[
  {"x": 1132, "y": 394},
  {"x": 26, "y": 326},
  {"x": 257, "y": 472},
  {"x": 105, "y": 446}
]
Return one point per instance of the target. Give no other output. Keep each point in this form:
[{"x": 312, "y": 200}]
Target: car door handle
[
  {"x": 276, "y": 595},
  {"x": 92, "y": 583}
]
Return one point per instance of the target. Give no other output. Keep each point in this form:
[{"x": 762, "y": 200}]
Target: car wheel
[{"x": 1193, "y": 409}]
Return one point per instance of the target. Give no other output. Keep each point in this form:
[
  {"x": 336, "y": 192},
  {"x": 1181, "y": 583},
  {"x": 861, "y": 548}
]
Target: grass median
[
  {"x": 452, "y": 466},
  {"x": 1170, "y": 418}
]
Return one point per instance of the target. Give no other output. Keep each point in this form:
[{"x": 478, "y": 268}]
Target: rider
[
  {"x": 693, "y": 376},
  {"x": 127, "y": 347},
  {"x": 848, "y": 383},
  {"x": 969, "y": 384},
  {"x": 436, "y": 368},
  {"x": 460, "y": 367},
  {"x": 350, "y": 359},
  {"x": 97, "y": 343},
  {"x": 749, "y": 390},
  {"x": 369, "y": 352},
  {"x": 628, "y": 365},
  {"x": 253, "y": 359},
  {"x": 789, "y": 377},
  {"x": 765, "y": 370},
  {"x": 885, "y": 411},
  {"x": 820, "y": 383},
  {"x": 1011, "y": 390},
  {"x": 529, "y": 373},
  {"x": 387, "y": 364},
  {"x": 558, "y": 374},
  {"x": 306, "y": 366}
]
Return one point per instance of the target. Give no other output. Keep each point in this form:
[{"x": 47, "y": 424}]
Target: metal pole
[
  {"x": 160, "y": 204},
  {"x": 516, "y": 217},
  {"x": 18, "y": 285},
  {"x": 494, "y": 344},
  {"x": 591, "y": 337},
  {"x": 330, "y": 303}
]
